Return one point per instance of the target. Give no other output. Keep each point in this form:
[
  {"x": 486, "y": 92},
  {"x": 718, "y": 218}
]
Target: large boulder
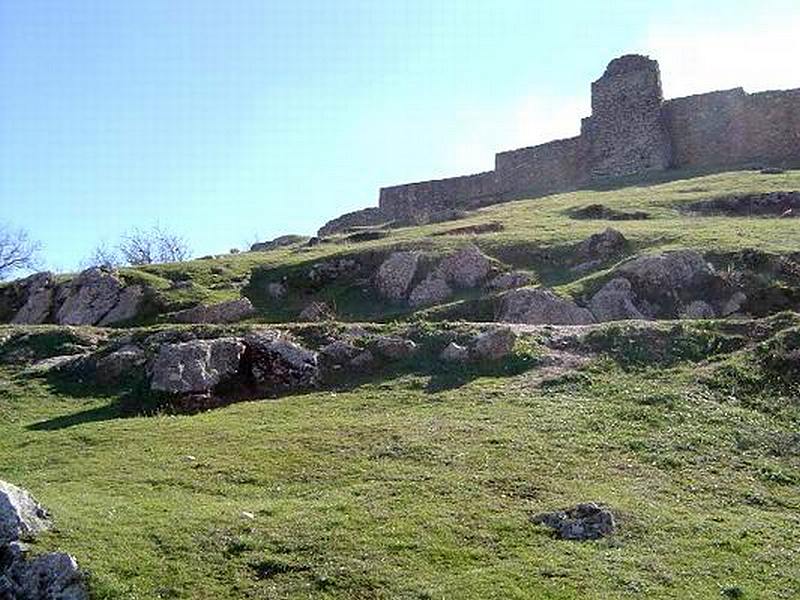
[
  {"x": 51, "y": 576},
  {"x": 395, "y": 275},
  {"x": 21, "y": 516},
  {"x": 431, "y": 290},
  {"x": 127, "y": 306},
  {"x": 223, "y": 312},
  {"x": 89, "y": 297},
  {"x": 668, "y": 274},
  {"x": 197, "y": 366},
  {"x": 120, "y": 364},
  {"x": 615, "y": 302},
  {"x": 278, "y": 364},
  {"x": 39, "y": 290},
  {"x": 465, "y": 269},
  {"x": 541, "y": 307}
]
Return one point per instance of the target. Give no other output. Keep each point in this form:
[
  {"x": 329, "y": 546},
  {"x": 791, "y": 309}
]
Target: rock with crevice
[
  {"x": 582, "y": 522},
  {"x": 541, "y": 307},
  {"x": 394, "y": 276},
  {"x": 89, "y": 297},
  {"x": 196, "y": 366}
]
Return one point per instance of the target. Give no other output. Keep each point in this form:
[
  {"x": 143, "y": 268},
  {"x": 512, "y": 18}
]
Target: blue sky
[{"x": 244, "y": 119}]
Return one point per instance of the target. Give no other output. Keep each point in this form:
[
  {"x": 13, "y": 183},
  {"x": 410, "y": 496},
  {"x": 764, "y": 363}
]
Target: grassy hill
[{"x": 419, "y": 480}]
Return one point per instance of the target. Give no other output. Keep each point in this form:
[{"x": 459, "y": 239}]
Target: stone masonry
[{"x": 631, "y": 131}]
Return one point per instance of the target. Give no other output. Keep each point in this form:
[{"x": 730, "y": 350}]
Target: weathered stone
[
  {"x": 224, "y": 312},
  {"x": 120, "y": 364},
  {"x": 668, "y": 273},
  {"x": 431, "y": 290},
  {"x": 395, "y": 275},
  {"x": 615, "y": 302},
  {"x": 542, "y": 307},
  {"x": 465, "y": 269},
  {"x": 127, "y": 306},
  {"x": 394, "y": 348},
  {"x": 600, "y": 211},
  {"x": 698, "y": 310},
  {"x": 51, "y": 576},
  {"x": 278, "y": 364},
  {"x": 362, "y": 360},
  {"x": 510, "y": 281},
  {"x": 196, "y": 366},
  {"x": 89, "y": 297},
  {"x": 339, "y": 352},
  {"x": 495, "y": 344},
  {"x": 734, "y": 304},
  {"x": 21, "y": 516},
  {"x": 39, "y": 290},
  {"x": 316, "y": 312},
  {"x": 454, "y": 353},
  {"x": 582, "y": 522},
  {"x": 750, "y": 205},
  {"x": 600, "y": 247},
  {"x": 332, "y": 270}
]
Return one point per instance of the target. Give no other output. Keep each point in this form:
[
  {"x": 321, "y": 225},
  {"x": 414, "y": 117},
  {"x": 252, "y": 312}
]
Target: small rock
[
  {"x": 600, "y": 247},
  {"x": 495, "y": 343},
  {"x": 582, "y": 522},
  {"x": 454, "y": 353}
]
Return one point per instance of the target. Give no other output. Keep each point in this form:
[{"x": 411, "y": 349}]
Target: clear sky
[{"x": 228, "y": 121}]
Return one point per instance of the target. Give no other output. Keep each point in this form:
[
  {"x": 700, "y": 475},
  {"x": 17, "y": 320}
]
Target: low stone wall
[{"x": 552, "y": 167}]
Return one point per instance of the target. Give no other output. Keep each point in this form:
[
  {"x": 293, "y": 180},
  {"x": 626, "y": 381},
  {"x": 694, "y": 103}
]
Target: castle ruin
[{"x": 632, "y": 130}]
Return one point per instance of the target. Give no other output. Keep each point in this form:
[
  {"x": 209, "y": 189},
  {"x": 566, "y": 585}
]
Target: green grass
[{"x": 396, "y": 488}]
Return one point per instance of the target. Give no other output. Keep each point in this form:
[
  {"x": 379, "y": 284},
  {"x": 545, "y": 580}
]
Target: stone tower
[{"x": 626, "y": 133}]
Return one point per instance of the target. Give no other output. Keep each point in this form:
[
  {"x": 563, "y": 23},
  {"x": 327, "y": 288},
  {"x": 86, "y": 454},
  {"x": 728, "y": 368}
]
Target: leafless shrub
[{"x": 17, "y": 251}]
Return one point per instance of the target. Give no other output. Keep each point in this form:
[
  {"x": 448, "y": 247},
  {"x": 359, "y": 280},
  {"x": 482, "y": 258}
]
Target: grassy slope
[
  {"x": 532, "y": 229},
  {"x": 393, "y": 490}
]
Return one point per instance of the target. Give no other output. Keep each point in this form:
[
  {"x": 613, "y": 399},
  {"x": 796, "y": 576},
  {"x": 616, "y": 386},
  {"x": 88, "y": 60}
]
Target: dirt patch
[{"x": 770, "y": 204}]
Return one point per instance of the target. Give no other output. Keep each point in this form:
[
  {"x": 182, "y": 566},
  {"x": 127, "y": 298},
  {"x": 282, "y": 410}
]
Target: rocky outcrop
[
  {"x": 395, "y": 275},
  {"x": 361, "y": 218},
  {"x": 223, "y": 312},
  {"x": 541, "y": 307},
  {"x": 431, "y": 290},
  {"x": 21, "y": 516},
  {"x": 615, "y": 301},
  {"x": 467, "y": 268},
  {"x": 751, "y": 205},
  {"x": 276, "y": 364},
  {"x": 600, "y": 247},
  {"x": 50, "y": 576},
  {"x": 197, "y": 366},
  {"x": 588, "y": 521},
  {"x": 603, "y": 212},
  {"x": 333, "y": 270},
  {"x": 89, "y": 297},
  {"x": 120, "y": 364},
  {"x": 38, "y": 291},
  {"x": 698, "y": 310},
  {"x": 279, "y": 242}
]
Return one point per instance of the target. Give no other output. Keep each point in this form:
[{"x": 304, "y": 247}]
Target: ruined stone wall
[
  {"x": 626, "y": 132},
  {"x": 416, "y": 202},
  {"x": 551, "y": 167},
  {"x": 733, "y": 129}
]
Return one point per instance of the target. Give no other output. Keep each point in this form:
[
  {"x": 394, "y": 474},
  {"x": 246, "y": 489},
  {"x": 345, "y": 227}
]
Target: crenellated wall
[{"x": 631, "y": 130}]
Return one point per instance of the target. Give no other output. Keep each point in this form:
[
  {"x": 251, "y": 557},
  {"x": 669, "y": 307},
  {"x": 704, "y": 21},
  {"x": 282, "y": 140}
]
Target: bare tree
[
  {"x": 144, "y": 247},
  {"x": 103, "y": 255},
  {"x": 17, "y": 250}
]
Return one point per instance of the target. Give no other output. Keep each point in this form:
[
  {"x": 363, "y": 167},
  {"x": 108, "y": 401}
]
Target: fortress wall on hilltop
[
  {"x": 631, "y": 130},
  {"x": 552, "y": 167}
]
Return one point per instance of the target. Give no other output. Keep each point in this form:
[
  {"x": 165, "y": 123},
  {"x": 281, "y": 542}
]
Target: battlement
[{"x": 631, "y": 130}]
